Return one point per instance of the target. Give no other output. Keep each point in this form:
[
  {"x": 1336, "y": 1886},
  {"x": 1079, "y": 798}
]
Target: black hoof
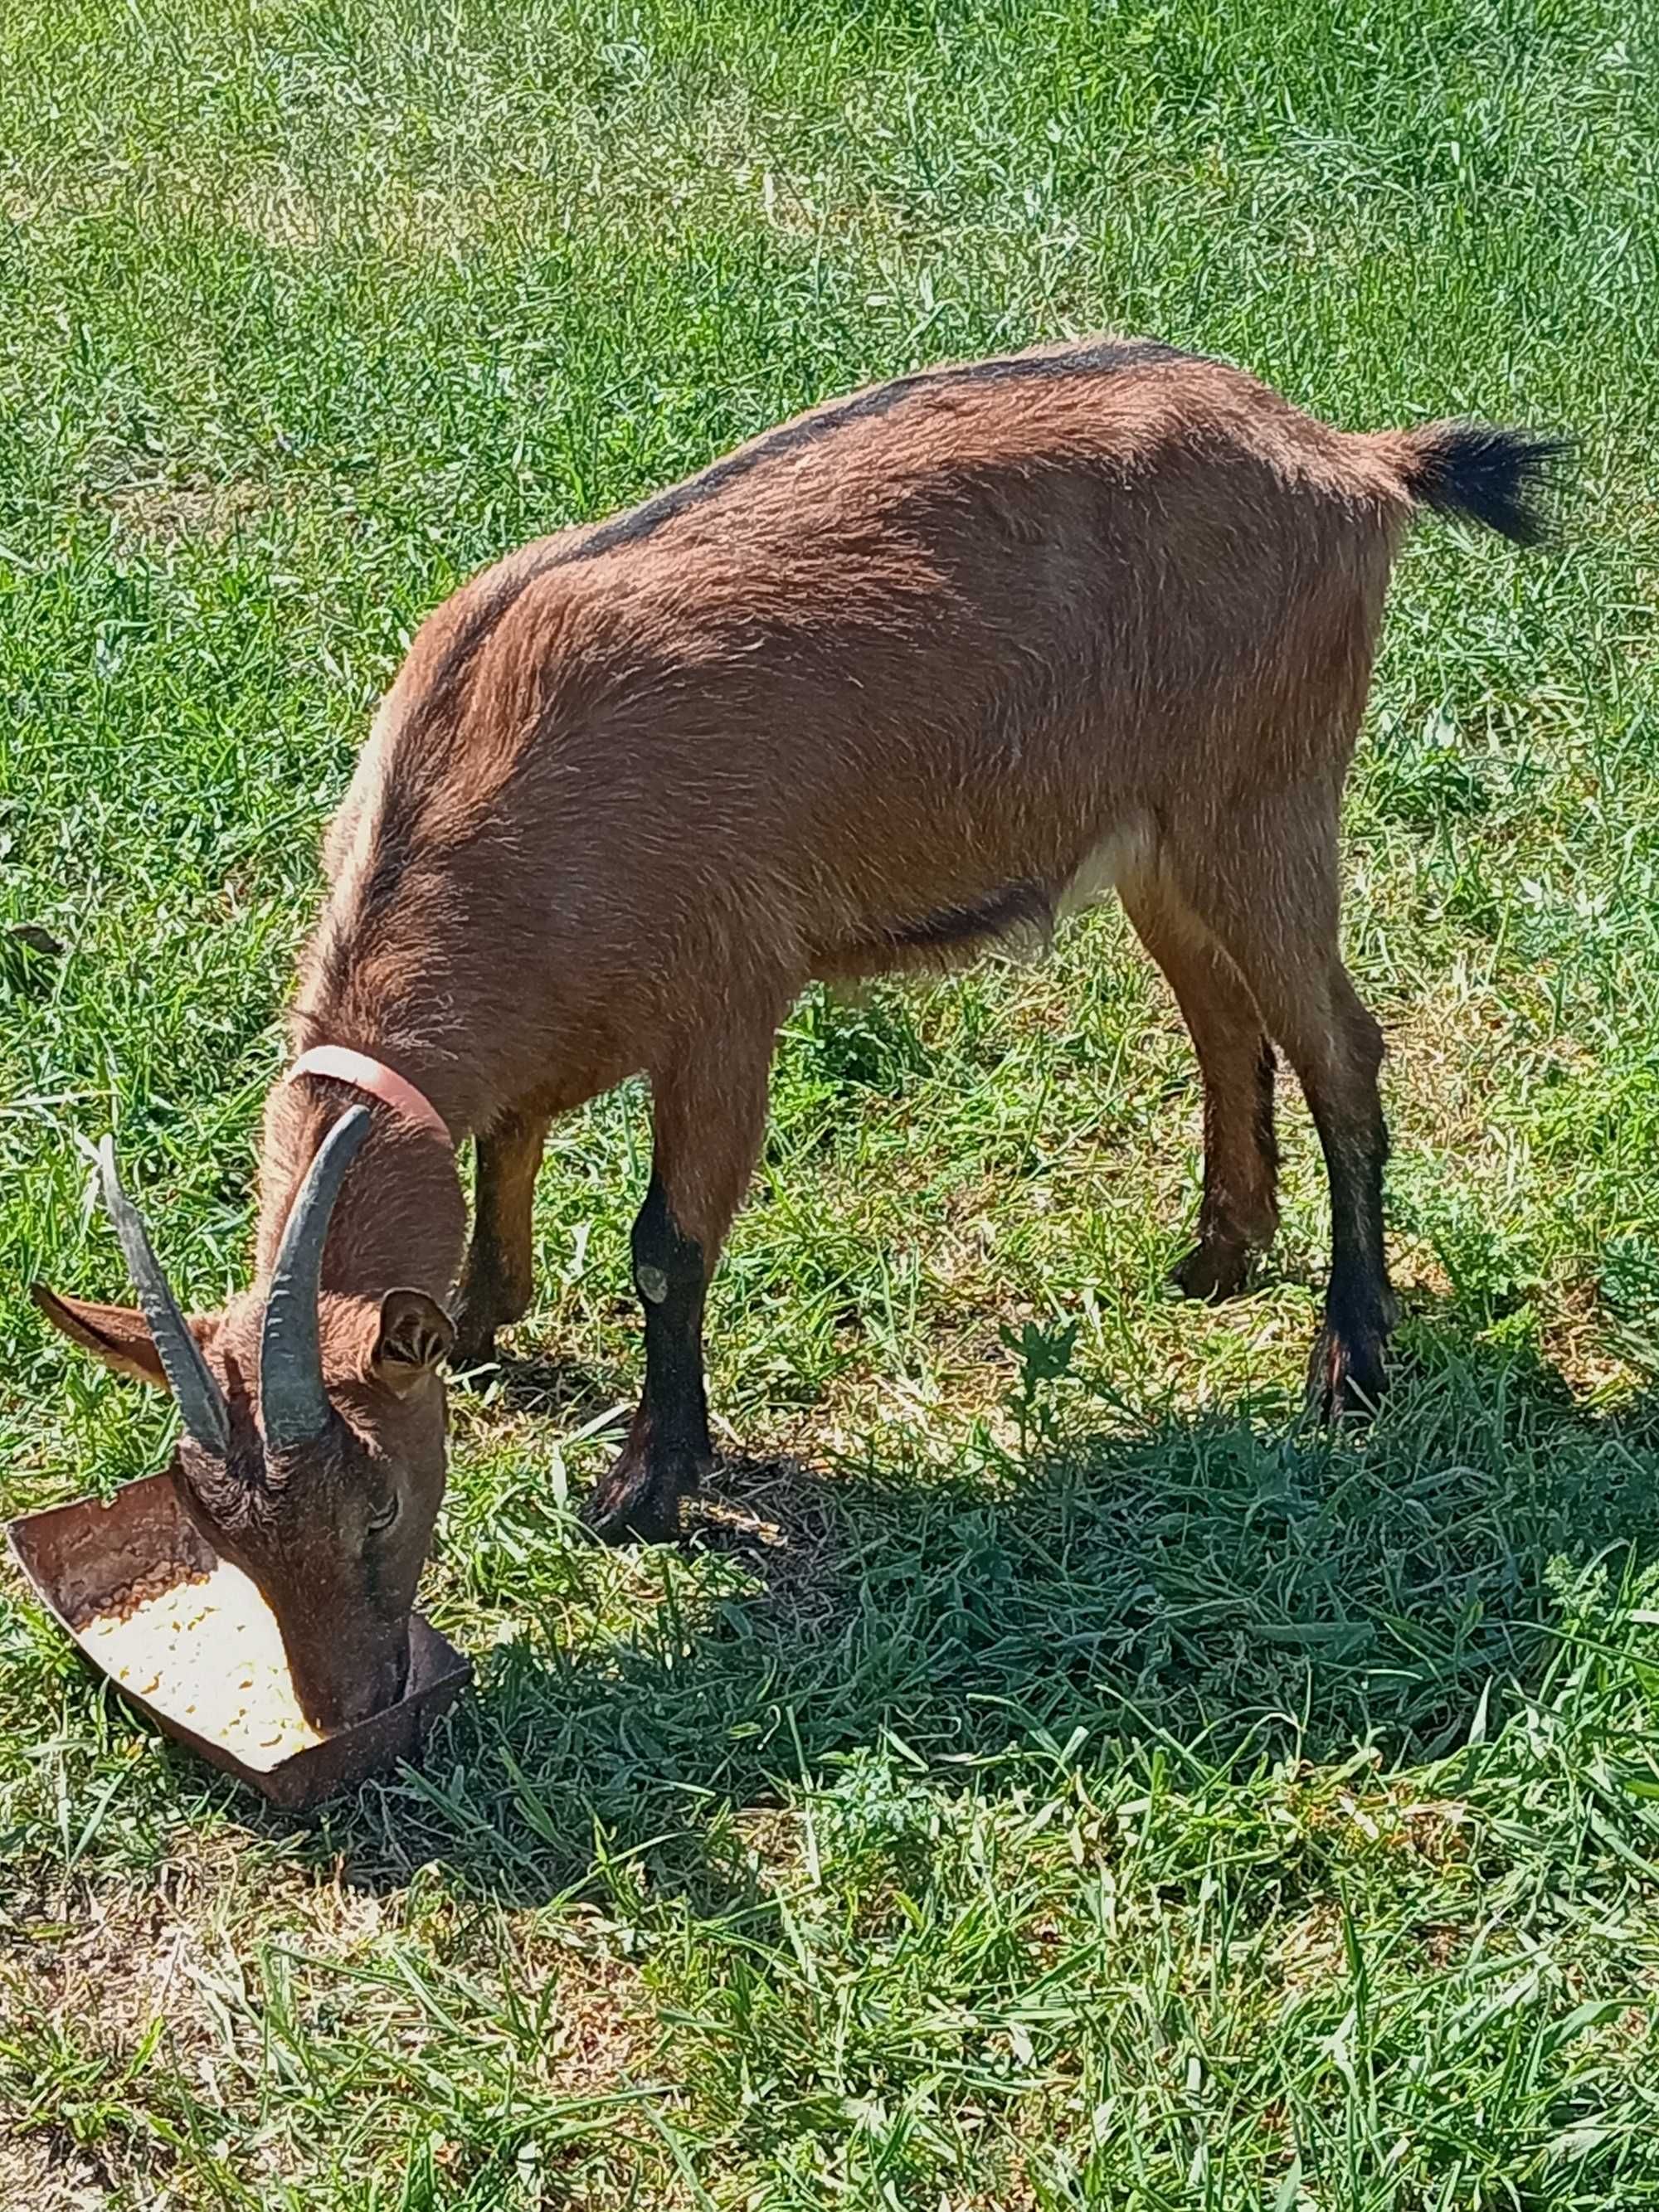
[
  {"x": 1348, "y": 1373},
  {"x": 639, "y": 1501},
  {"x": 1214, "y": 1271}
]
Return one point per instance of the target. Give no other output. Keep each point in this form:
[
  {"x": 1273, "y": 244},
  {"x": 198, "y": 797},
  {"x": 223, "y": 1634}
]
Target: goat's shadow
[
  {"x": 561, "y": 1391},
  {"x": 1237, "y": 1585}
]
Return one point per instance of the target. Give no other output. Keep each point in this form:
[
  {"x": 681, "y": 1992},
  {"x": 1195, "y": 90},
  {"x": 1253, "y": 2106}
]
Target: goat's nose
[{"x": 356, "y": 1686}]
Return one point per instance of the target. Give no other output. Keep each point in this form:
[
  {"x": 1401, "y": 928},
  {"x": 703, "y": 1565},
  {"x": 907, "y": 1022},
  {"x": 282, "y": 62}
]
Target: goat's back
[{"x": 922, "y": 647}]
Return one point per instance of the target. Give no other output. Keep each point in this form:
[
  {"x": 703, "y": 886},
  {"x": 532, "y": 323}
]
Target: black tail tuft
[{"x": 1500, "y": 478}]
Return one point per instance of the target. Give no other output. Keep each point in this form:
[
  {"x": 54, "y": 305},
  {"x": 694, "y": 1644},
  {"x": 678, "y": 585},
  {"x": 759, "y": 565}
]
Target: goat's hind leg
[
  {"x": 1239, "y": 1214},
  {"x": 708, "y": 1112},
  {"x": 1271, "y": 899}
]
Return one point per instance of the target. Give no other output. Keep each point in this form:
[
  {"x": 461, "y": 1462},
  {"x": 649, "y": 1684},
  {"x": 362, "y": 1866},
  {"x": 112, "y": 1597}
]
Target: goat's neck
[{"x": 400, "y": 1223}]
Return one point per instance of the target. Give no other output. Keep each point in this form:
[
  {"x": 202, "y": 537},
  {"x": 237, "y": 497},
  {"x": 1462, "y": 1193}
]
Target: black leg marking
[
  {"x": 1348, "y": 1372},
  {"x": 668, "y": 1451},
  {"x": 1235, "y": 1225}
]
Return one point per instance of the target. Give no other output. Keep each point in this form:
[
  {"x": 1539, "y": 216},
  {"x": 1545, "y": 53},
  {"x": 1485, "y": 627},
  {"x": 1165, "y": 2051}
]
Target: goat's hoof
[
  {"x": 1348, "y": 1373},
  {"x": 639, "y": 1501},
  {"x": 483, "y": 1308},
  {"x": 1214, "y": 1270},
  {"x": 473, "y": 1347}
]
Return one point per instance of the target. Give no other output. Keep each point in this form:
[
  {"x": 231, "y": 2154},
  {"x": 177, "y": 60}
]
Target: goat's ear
[
  {"x": 415, "y": 1337},
  {"x": 115, "y": 1334}
]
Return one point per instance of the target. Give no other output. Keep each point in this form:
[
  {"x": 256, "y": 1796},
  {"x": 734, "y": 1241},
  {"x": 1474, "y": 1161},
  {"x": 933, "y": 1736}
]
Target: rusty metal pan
[{"x": 86, "y": 1558}]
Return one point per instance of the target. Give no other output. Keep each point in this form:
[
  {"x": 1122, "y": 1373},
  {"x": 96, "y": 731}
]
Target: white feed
[{"x": 209, "y": 1653}]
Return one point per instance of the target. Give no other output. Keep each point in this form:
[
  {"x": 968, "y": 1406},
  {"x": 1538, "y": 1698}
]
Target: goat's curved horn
[
  {"x": 201, "y": 1401},
  {"x": 293, "y": 1407}
]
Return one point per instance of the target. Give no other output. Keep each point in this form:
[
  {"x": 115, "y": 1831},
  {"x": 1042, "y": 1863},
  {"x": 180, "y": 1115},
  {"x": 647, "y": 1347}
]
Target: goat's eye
[{"x": 382, "y": 1518}]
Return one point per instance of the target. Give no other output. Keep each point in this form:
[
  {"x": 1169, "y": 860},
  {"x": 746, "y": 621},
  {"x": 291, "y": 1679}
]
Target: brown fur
[{"x": 907, "y": 675}]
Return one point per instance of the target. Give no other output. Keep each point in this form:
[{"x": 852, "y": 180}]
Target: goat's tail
[{"x": 1498, "y": 477}]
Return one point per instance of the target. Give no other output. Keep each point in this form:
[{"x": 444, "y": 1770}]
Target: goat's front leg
[
  {"x": 709, "y": 1114},
  {"x": 499, "y": 1280}
]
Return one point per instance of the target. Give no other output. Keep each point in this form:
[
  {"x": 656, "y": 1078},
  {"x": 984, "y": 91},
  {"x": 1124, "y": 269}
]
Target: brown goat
[{"x": 914, "y": 671}]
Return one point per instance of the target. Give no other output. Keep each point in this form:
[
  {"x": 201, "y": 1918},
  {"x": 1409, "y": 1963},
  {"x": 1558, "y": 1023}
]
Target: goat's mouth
[{"x": 333, "y": 1700}]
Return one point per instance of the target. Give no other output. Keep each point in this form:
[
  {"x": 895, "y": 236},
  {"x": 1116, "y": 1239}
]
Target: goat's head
[{"x": 313, "y": 1447}]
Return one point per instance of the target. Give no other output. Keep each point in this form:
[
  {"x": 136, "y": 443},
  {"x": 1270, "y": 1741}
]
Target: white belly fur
[{"x": 1125, "y": 851}]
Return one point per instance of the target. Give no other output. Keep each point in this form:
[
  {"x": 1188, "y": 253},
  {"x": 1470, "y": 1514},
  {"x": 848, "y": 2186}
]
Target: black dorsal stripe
[{"x": 1097, "y": 357}]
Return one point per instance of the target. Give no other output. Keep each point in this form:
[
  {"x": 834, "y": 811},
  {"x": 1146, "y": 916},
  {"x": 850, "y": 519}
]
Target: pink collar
[{"x": 373, "y": 1077}]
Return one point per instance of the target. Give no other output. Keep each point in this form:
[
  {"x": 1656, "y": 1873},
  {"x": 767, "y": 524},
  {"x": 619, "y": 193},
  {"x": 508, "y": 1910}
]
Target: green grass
[{"x": 1068, "y": 1781}]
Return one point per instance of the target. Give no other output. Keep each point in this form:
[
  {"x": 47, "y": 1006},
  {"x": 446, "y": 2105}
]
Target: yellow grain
[{"x": 209, "y": 1653}]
